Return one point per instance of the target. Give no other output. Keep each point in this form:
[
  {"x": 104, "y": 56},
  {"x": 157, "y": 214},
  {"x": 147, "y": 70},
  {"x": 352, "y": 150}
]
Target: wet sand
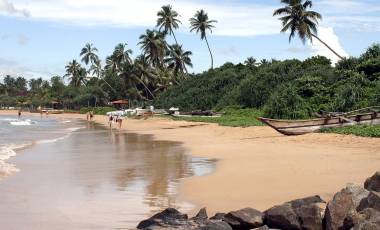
[
  {"x": 258, "y": 167},
  {"x": 95, "y": 178}
]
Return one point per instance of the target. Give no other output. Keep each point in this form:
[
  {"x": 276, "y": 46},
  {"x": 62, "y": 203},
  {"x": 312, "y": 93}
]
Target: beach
[{"x": 257, "y": 167}]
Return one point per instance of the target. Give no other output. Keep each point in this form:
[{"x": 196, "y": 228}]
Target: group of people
[{"x": 115, "y": 119}]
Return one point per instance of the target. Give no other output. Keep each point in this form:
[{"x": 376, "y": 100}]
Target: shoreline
[{"x": 256, "y": 166}]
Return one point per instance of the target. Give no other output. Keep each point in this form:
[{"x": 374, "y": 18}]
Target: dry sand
[{"x": 258, "y": 167}]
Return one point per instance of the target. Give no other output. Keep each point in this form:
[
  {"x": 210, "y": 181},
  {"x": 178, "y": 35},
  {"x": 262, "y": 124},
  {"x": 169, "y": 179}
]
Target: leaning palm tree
[
  {"x": 167, "y": 21},
  {"x": 178, "y": 59},
  {"x": 200, "y": 23},
  {"x": 154, "y": 47},
  {"x": 88, "y": 54},
  {"x": 297, "y": 19}
]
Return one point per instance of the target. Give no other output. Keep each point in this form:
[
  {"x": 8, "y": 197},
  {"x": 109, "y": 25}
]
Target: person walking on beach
[
  {"x": 120, "y": 121},
  {"x": 110, "y": 120},
  {"x": 91, "y": 115},
  {"x": 19, "y": 114}
]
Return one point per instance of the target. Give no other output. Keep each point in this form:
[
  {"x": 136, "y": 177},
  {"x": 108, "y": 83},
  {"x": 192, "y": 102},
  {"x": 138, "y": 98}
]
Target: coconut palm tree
[
  {"x": 178, "y": 59},
  {"x": 167, "y": 21},
  {"x": 88, "y": 54},
  {"x": 201, "y": 23},
  {"x": 298, "y": 19},
  {"x": 154, "y": 47},
  {"x": 251, "y": 61},
  {"x": 120, "y": 56},
  {"x": 76, "y": 73}
]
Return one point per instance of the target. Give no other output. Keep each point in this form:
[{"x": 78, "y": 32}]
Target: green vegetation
[
  {"x": 358, "y": 130},
  {"x": 235, "y": 117},
  {"x": 287, "y": 89}
]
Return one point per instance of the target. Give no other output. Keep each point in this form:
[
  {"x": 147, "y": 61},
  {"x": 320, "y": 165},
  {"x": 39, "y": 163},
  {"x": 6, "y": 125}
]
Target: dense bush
[{"x": 283, "y": 89}]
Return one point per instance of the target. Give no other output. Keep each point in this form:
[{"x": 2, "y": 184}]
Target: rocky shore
[{"x": 354, "y": 207}]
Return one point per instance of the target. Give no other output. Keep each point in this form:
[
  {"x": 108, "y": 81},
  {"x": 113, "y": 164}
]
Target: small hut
[{"x": 120, "y": 104}]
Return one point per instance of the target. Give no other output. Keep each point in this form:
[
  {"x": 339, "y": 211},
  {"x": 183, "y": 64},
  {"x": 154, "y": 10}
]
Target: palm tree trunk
[
  {"x": 146, "y": 87},
  {"x": 212, "y": 58},
  {"x": 175, "y": 39},
  {"x": 327, "y": 46}
]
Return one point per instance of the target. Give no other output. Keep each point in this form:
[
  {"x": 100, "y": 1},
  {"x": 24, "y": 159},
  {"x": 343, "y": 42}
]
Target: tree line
[{"x": 160, "y": 66}]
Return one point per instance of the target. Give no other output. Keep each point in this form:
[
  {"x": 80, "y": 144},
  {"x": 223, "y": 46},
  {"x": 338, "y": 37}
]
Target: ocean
[
  {"x": 19, "y": 133},
  {"x": 71, "y": 174}
]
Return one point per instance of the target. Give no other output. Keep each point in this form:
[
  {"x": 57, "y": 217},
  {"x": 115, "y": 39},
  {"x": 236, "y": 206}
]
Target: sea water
[
  {"x": 17, "y": 133},
  {"x": 81, "y": 175}
]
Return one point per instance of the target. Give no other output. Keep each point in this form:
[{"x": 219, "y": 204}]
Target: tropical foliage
[{"x": 283, "y": 89}]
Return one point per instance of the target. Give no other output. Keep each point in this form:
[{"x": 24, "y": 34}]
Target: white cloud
[
  {"x": 22, "y": 39},
  {"x": 328, "y": 35},
  {"x": 14, "y": 68},
  {"x": 233, "y": 19},
  {"x": 9, "y": 9}
]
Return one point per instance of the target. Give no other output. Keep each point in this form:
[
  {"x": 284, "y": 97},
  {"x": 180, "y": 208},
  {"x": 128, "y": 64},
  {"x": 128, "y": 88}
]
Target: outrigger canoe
[{"x": 368, "y": 116}]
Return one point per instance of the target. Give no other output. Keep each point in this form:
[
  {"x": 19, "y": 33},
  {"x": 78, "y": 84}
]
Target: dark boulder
[
  {"x": 368, "y": 219},
  {"x": 373, "y": 183},
  {"x": 214, "y": 225},
  {"x": 297, "y": 214},
  {"x": 243, "y": 219},
  {"x": 218, "y": 216},
  {"x": 169, "y": 216},
  {"x": 371, "y": 201},
  {"x": 344, "y": 202}
]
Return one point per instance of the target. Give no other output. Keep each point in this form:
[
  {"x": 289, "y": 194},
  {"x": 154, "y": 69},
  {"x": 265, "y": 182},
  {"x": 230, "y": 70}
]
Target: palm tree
[
  {"x": 154, "y": 47},
  {"x": 297, "y": 19},
  {"x": 120, "y": 56},
  {"x": 178, "y": 59},
  {"x": 88, "y": 54},
  {"x": 251, "y": 61},
  {"x": 200, "y": 23},
  {"x": 167, "y": 21},
  {"x": 76, "y": 73}
]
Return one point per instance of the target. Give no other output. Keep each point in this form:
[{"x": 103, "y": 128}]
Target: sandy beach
[{"x": 258, "y": 167}]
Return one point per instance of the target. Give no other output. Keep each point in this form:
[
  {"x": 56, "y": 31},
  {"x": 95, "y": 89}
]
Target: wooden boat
[{"x": 368, "y": 116}]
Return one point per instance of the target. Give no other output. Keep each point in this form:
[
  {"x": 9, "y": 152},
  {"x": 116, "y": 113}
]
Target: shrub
[{"x": 285, "y": 103}]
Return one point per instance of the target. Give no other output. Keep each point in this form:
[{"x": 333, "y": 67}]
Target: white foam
[
  {"x": 7, "y": 152},
  {"x": 7, "y": 169},
  {"x": 47, "y": 141},
  {"x": 26, "y": 122},
  {"x": 73, "y": 129}
]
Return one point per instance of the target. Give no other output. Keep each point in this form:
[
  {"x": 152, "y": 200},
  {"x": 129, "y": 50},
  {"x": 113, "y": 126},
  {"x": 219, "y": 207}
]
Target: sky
[{"x": 39, "y": 37}]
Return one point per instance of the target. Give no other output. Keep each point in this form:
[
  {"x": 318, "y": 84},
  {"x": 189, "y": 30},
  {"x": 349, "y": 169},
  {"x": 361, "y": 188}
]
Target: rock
[
  {"x": 243, "y": 219},
  {"x": 215, "y": 225},
  {"x": 218, "y": 216},
  {"x": 371, "y": 201},
  {"x": 169, "y": 216},
  {"x": 343, "y": 203},
  {"x": 262, "y": 228},
  {"x": 297, "y": 214},
  {"x": 373, "y": 183},
  {"x": 368, "y": 219},
  {"x": 201, "y": 216}
]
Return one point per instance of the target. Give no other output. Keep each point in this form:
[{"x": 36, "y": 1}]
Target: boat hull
[{"x": 299, "y": 127}]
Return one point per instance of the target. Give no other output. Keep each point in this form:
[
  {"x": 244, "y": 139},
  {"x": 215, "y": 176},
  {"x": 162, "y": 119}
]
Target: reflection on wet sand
[{"x": 96, "y": 178}]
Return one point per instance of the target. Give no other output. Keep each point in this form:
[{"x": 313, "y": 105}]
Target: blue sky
[{"x": 38, "y": 37}]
